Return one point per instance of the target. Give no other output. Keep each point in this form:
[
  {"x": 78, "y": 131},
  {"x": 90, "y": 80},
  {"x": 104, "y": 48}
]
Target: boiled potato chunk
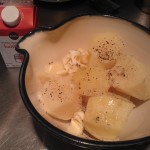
[
  {"x": 107, "y": 47},
  {"x": 131, "y": 77},
  {"x": 105, "y": 116},
  {"x": 92, "y": 80},
  {"x": 60, "y": 98}
]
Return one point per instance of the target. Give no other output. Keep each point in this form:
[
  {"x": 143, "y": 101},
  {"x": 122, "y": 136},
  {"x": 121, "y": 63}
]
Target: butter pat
[
  {"x": 75, "y": 59},
  {"x": 76, "y": 125}
]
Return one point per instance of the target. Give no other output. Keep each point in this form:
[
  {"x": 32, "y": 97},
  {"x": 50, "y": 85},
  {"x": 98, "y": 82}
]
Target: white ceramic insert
[{"x": 46, "y": 46}]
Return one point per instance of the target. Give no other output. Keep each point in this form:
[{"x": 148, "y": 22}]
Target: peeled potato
[
  {"x": 92, "y": 80},
  {"x": 107, "y": 47},
  {"x": 131, "y": 77},
  {"x": 60, "y": 98},
  {"x": 105, "y": 116}
]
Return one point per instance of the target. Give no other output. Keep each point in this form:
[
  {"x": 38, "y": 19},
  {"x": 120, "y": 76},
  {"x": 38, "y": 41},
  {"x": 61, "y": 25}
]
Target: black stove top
[{"x": 53, "y": 13}]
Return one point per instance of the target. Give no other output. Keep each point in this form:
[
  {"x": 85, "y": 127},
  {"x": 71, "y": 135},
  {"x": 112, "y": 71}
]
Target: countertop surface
[{"x": 17, "y": 128}]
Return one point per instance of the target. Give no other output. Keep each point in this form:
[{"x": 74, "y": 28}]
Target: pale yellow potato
[
  {"x": 107, "y": 47},
  {"x": 105, "y": 116},
  {"x": 131, "y": 77},
  {"x": 60, "y": 98},
  {"x": 92, "y": 80}
]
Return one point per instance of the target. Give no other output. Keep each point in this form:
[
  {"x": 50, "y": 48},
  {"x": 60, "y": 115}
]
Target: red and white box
[{"x": 9, "y": 36}]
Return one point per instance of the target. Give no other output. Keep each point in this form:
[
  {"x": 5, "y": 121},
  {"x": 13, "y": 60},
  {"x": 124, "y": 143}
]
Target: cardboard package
[{"x": 9, "y": 36}]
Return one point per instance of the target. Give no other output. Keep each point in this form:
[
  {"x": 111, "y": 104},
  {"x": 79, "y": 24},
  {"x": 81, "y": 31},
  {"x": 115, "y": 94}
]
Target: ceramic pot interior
[{"x": 51, "y": 45}]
